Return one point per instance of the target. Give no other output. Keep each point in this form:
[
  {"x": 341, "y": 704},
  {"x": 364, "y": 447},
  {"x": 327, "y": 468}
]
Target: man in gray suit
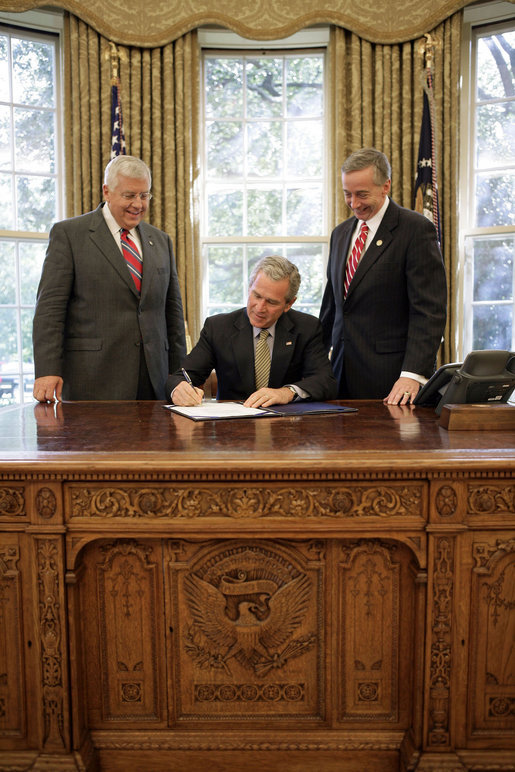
[
  {"x": 109, "y": 321},
  {"x": 384, "y": 306},
  {"x": 297, "y": 365}
]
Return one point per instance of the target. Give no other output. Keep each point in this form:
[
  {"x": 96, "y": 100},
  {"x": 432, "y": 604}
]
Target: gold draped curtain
[{"x": 147, "y": 25}]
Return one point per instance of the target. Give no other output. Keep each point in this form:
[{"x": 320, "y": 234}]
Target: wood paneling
[{"x": 329, "y": 593}]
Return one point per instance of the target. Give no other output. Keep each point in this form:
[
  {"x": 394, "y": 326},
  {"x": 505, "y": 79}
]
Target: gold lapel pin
[
  {"x": 288, "y": 342},
  {"x": 379, "y": 242}
]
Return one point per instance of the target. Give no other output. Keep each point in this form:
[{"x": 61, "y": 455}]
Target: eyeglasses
[{"x": 134, "y": 196}]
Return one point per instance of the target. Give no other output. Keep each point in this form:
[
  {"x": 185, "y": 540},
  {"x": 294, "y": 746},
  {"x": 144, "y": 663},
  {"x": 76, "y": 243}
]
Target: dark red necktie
[
  {"x": 133, "y": 258},
  {"x": 352, "y": 262}
]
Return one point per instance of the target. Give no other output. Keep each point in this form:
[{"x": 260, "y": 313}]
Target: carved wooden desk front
[{"x": 329, "y": 592}]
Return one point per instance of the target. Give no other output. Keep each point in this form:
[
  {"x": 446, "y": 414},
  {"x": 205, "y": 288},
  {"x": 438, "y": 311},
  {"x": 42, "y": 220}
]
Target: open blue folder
[{"x": 308, "y": 408}]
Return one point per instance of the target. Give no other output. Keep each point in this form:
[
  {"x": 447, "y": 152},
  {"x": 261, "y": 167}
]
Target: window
[
  {"x": 29, "y": 185},
  {"x": 487, "y": 214},
  {"x": 265, "y": 171}
]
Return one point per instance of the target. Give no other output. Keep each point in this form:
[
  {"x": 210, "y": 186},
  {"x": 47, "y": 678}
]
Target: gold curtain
[
  {"x": 377, "y": 98},
  {"x": 147, "y": 25},
  {"x": 160, "y": 106}
]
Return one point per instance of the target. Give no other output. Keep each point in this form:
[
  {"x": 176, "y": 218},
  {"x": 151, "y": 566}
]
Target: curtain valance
[{"x": 144, "y": 24}]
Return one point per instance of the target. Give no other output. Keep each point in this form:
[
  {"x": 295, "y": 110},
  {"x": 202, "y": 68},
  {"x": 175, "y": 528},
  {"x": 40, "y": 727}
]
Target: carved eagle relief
[{"x": 250, "y": 618}]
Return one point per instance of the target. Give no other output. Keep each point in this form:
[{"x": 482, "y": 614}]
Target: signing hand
[{"x": 185, "y": 395}]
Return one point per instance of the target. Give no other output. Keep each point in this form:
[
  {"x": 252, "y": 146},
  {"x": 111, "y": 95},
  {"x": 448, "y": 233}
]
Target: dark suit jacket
[
  {"x": 226, "y": 345},
  {"x": 394, "y": 314},
  {"x": 89, "y": 323}
]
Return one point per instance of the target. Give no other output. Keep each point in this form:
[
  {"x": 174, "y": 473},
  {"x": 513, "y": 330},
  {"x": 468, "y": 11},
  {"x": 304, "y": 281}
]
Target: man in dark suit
[
  {"x": 384, "y": 322},
  {"x": 229, "y": 343},
  {"x": 103, "y": 328}
]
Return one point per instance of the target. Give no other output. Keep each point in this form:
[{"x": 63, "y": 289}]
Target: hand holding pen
[{"x": 186, "y": 394}]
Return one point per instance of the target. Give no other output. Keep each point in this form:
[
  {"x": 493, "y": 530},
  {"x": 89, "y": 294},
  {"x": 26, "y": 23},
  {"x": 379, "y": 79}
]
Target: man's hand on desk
[
  {"x": 48, "y": 388},
  {"x": 266, "y": 397},
  {"x": 404, "y": 391},
  {"x": 185, "y": 395}
]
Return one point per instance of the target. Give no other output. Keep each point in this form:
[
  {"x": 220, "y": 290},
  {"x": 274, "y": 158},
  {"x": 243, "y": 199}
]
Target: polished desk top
[{"x": 107, "y": 436}]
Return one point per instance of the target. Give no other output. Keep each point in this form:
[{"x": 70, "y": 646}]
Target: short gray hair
[
  {"x": 277, "y": 268},
  {"x": 369, "y": 156},
  {"x": 126, "y": 166}
]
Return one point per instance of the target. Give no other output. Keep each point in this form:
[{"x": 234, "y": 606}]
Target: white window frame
[
  {"x": 221, "y": 39},
  {"x": 489, "y": 13},
  {"x": 38, "y": 24}
]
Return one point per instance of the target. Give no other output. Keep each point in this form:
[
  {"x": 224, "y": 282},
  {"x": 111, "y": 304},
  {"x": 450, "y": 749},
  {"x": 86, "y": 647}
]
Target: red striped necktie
[
  {"x": 352, "y": 262},
  {"x": 133, "y": 258}
]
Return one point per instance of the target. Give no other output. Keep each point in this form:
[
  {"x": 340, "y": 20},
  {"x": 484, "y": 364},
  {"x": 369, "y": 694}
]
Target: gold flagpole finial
[
  {"x": 113, "y": 55},
  {"x": 427, "y": 49}
]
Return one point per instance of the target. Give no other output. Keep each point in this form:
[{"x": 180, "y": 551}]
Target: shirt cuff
[
  {"x": 414, "y": 376},
  {"x": 301, "y": 394}
]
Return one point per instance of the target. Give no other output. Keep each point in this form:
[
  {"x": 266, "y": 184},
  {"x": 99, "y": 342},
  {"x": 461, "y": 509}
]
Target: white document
[{"x": 211, "y": 410}]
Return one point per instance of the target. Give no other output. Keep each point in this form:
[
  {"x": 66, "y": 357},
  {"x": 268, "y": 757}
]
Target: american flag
[
  {"x": 426, "y": 187},
  {"x": 117, "y": 135}
]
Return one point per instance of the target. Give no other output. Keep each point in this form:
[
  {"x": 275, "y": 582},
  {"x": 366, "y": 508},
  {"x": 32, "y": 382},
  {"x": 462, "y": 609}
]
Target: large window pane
[
  {"x": 5, "y": 136},
  {"x": 4, "y": 69},
  {"x": 495, "y": 72},
  {"x": 224, "y": 212},
  {"x": 7, "y": 197},
  {"x": 8, "y": 272},
  {"x": 495, "y": 134},
  {"x": 492, "y": 327},
  {"x": 31, "y": 256},
  {"x": 225, "y": 272},
  {"x": 264, "y": 212},
  {"x": 264, "y": 132},
  {"x": 34, "y": 149},
  {"x": 495, "y": 199},
  {"x": 493, "y": 269},
  {"x": 28, "y": 189},
  {"x": 36, "y": 199},
  {"x": 33, "y": 72},
  {"x": 265, "y": 149},
  {"x": 225, "y": 149},
  {"x": 304, "y": 211},
  {"x": 264, "y": 87},
  {"x": 223, "y": 87}
]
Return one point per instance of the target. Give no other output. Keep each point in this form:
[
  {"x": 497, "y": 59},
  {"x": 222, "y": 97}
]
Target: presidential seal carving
[{"x": 247, "y": 607}]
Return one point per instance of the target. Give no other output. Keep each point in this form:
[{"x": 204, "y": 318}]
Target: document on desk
[{"x": 210, "y": 411}]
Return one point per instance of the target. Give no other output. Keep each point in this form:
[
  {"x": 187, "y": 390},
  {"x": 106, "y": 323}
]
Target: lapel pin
[
  {"x": 288, "y": 342},
  {"x": 379, "y": 242},
  {"x": 151, "y": 243}
]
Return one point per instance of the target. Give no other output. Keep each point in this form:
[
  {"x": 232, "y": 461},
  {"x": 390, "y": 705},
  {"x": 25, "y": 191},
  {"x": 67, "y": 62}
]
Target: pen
[{"x": 188, "y": 379}]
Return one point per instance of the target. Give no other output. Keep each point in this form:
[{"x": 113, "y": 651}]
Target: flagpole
[
  {"x": 426, "y": 183},
  {"x": 118, "y": 146}
]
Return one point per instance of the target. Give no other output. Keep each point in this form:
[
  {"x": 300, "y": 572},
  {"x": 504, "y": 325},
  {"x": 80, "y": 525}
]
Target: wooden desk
[{"x": 328, "y": 593}]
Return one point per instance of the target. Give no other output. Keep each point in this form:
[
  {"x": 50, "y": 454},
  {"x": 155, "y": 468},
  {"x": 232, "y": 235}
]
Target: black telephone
[{"x": 484, "y": 376}]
